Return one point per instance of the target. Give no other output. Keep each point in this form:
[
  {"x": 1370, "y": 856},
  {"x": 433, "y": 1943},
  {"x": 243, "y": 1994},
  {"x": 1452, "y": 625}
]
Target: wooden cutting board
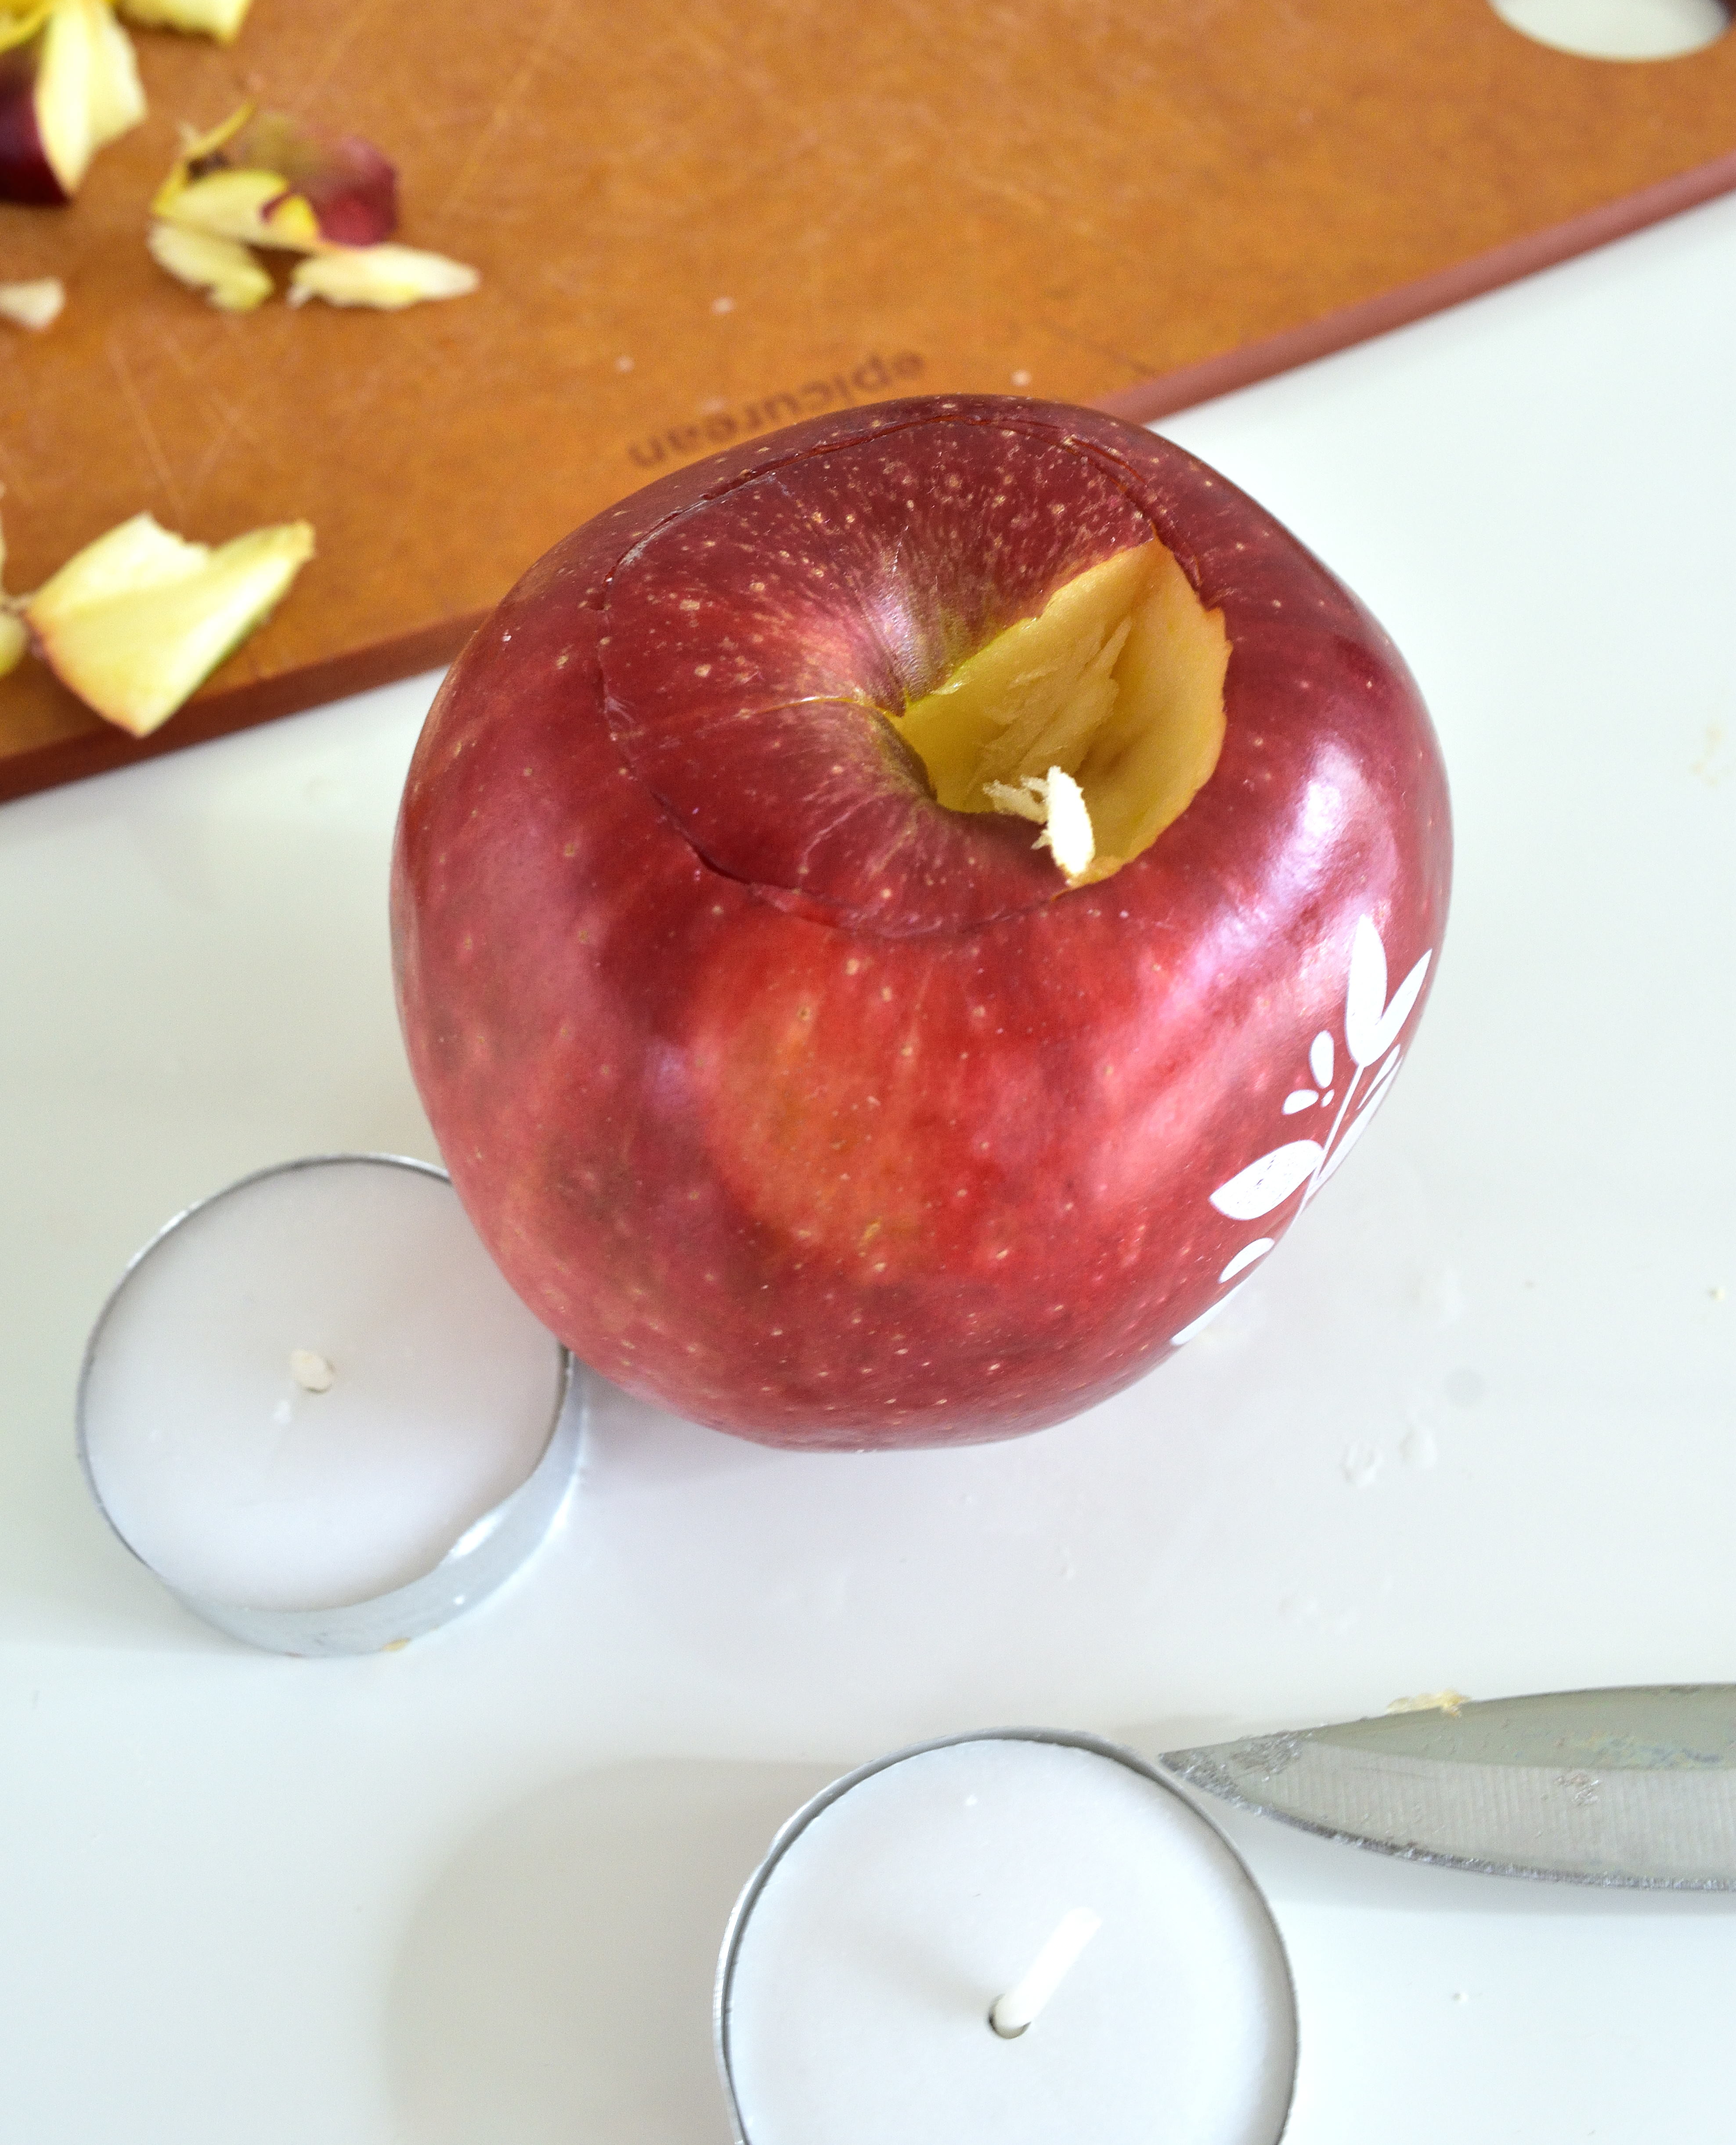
[{"x": 697, "y": 220}]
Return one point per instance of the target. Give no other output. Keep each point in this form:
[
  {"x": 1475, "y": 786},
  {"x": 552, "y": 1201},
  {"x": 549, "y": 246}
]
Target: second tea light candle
[
  {"x": 865, "y": 1959},
  {"x": 317, "y": 1412}
]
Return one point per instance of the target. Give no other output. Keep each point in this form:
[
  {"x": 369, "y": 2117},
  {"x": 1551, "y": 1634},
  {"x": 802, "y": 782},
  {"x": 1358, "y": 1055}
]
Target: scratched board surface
[{"x": 698, "y": 219}]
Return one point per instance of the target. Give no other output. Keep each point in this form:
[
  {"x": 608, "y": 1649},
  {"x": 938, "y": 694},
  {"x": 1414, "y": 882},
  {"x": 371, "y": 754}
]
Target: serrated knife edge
[{"x": 1657, "y": 1830}]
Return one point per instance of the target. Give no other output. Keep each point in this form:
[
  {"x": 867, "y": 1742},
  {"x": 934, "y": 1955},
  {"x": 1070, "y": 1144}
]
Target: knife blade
[{"x": 1633, "y": 1786}]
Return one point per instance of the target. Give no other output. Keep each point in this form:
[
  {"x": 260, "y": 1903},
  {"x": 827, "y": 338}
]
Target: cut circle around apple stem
[{"x": 1083, "y": 648}]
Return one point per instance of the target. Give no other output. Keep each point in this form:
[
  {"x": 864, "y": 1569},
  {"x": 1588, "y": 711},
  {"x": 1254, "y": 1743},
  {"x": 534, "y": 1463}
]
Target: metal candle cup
[
  {"x": 314, "y": 1410},
  {"x": 864, "y": 1957}
]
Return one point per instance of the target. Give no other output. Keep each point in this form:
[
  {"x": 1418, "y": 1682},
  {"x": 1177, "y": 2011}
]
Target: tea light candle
[
  {"x": 316, "y": 1410},
  {"x": 1003, "y": 1939}
]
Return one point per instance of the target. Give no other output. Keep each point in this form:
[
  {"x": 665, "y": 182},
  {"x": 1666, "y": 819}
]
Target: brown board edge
[
  {"x": 241, "y": 706},
  {"x": 263, "y": 700},
  {"x": 1407, "y": 302}
]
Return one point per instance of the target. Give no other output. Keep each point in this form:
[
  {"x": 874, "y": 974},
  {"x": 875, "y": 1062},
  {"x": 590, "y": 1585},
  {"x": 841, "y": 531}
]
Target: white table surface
[{"x": 1473, "y": 1427}]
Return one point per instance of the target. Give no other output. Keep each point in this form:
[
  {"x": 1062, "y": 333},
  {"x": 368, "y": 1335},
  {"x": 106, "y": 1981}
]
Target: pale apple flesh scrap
[
  {"x": 69, "y": 85},
  {"x": 221, "y": 19},
  {"x": 35, "y": 304},
  {"x": 386, "y": 277},
  {"x": 137, "y": 621},
  {"x": 223, "y": 268},
  {"x": 1102, "y": 716}
]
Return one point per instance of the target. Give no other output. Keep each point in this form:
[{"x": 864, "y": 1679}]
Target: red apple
[{"x": 787, "y": 1082}]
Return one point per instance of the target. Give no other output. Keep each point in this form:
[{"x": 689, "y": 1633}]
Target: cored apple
[{"x": 785, "y": 1078}]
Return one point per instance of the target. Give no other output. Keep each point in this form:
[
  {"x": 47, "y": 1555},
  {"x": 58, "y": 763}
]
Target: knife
[{"x": 1634, "y": 1786}]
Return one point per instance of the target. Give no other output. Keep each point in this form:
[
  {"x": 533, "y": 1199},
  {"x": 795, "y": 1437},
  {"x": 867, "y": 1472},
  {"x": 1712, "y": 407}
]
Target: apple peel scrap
[
  {"x": 260, "y": 179},
  {"x": 221, "y": 19},
  {"x": 69, "y": 85},
  {"x": 136, "y": 621}
]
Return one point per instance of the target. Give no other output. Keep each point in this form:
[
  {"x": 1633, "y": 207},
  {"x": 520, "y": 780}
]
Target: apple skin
[
  {"x": 351, "y": 187},
  {"x": 813, "y": 1111},
  {"x": 25, "y": 175},
  {"x": 354, "y": 193}
]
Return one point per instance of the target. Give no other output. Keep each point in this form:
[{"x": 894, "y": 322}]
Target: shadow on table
[
  {"x": 67, "y": 1582},
  {"x": 555, "y": 1983}
]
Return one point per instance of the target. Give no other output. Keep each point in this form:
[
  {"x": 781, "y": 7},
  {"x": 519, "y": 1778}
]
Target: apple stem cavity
[
  {"x": 1099, "y": 716},
  {"x": 1058, "y": 804}
]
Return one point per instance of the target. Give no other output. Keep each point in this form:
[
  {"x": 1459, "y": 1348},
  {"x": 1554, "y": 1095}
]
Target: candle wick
[
  {"x": 313, "y": 1373},
  {"x": 1011, "y": 2013}
]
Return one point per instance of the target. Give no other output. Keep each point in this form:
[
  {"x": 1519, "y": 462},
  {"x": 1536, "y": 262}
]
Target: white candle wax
[
  {"x": 309, "y": 1388},
  {"x": 856, "y": 1989}
]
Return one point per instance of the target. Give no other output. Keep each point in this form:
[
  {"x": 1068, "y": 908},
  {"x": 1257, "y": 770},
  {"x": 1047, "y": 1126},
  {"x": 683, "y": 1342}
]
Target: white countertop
[{"x": 1473, "y": 1427}]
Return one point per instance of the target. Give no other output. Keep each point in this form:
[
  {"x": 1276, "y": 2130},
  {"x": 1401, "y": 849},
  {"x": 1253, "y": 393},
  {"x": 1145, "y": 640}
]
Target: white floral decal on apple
[{"x": 1371, "y": 1026}]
